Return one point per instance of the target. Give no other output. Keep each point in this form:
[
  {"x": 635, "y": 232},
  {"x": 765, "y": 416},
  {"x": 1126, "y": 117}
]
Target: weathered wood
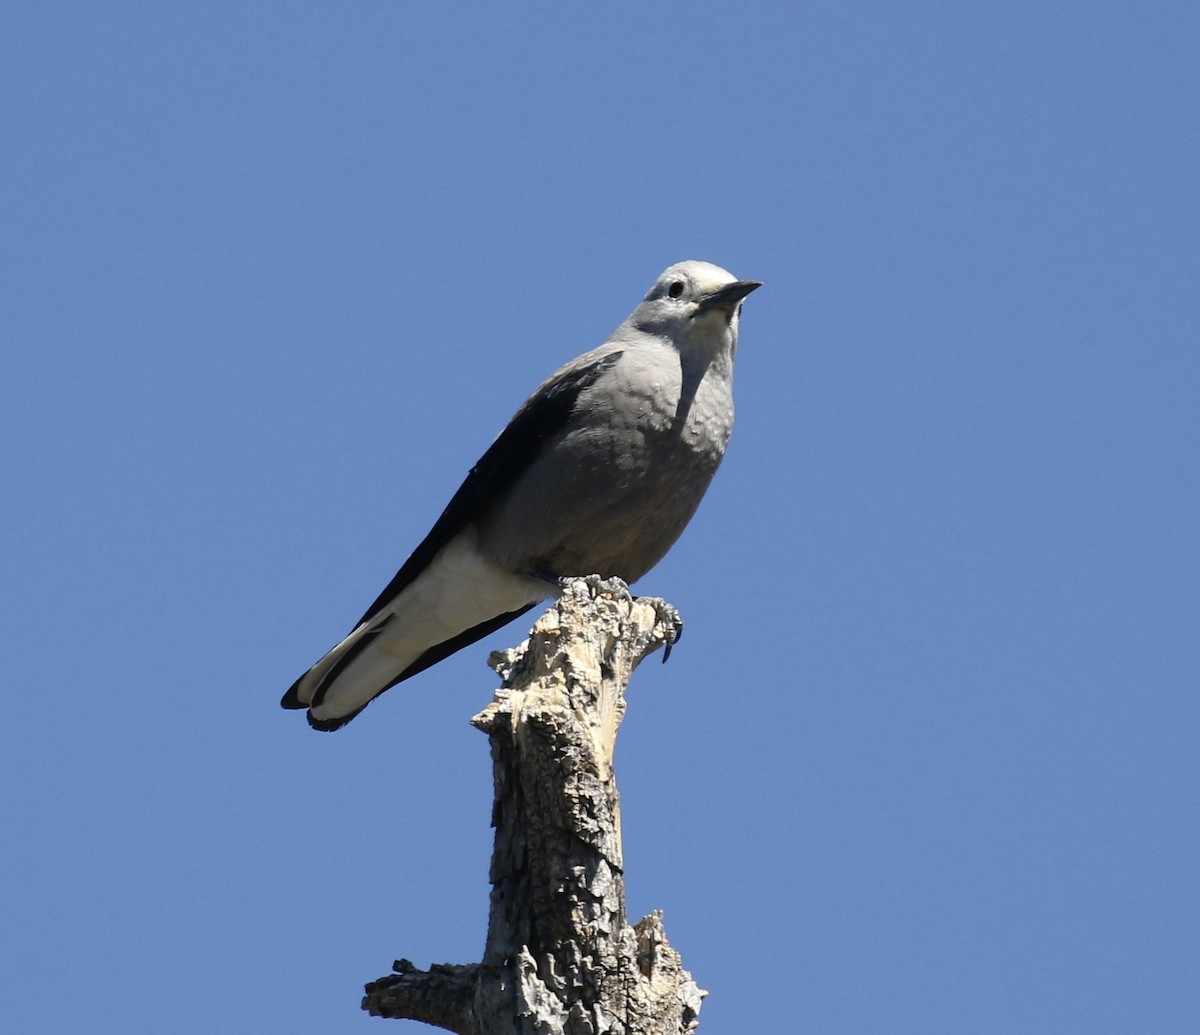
[
  {"x": 443, "y": 995},
  {"x": 560, "y": 955}
]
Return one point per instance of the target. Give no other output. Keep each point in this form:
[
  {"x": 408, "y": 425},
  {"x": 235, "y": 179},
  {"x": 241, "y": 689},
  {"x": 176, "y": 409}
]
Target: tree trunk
[{"x": 561, "y": 958}]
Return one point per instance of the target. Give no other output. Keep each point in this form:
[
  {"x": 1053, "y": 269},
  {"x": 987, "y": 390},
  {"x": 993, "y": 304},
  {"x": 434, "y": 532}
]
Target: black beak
[{"x": 728, "y": 296}]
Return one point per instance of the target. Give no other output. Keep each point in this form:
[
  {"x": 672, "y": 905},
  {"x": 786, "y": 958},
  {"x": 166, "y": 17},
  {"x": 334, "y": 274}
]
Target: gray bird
[{"x": 597, "y": 473}]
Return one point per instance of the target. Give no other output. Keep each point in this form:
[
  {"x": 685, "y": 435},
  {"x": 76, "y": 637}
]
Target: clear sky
[{"x": 927, "y": 759}]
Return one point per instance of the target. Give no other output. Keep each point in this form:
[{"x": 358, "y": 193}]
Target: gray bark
[{"x": 561, "y": 957}]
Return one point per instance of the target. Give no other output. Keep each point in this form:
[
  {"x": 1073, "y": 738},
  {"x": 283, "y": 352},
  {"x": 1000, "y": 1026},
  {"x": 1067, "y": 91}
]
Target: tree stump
[{"x": 560, "y": 957}]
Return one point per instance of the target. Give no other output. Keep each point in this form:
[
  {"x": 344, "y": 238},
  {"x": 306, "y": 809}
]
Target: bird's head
[{"x": 695, "y": 305}]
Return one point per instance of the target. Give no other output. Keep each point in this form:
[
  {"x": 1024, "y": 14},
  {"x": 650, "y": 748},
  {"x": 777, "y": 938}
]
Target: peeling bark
[{"x": 560, "y": 957}]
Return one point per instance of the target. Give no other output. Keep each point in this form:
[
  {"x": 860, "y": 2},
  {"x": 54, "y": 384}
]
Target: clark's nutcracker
[{"x": 597, "y": 473}]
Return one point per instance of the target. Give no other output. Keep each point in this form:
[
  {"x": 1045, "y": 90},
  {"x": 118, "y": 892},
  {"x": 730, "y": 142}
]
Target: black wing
[{"x": 510, "y": 456}]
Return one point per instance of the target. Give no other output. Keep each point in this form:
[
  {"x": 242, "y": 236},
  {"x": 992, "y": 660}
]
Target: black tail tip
[
  {"x": 329, "y": 725},
  {"x": 291, "y": 700}
]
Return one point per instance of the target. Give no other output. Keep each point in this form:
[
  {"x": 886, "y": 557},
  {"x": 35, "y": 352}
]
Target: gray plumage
[{"x": 597, "y": 473}]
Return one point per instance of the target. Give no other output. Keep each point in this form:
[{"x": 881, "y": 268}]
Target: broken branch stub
[{"x": 560, "y": 955}]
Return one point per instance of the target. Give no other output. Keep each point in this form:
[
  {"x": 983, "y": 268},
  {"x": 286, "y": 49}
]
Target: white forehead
[{"x": 702, "y": 276}]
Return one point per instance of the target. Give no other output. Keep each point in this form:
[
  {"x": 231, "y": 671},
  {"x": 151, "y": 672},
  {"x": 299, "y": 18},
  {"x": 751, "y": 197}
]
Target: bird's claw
[{"x": 669, "y": 615}]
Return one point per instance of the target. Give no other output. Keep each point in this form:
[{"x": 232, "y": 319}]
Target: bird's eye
[{"x": 676, "y": 289}]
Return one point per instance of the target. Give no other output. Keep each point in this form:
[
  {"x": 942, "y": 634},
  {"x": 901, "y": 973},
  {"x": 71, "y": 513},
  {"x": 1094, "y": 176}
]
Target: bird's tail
[{"x": 310, "y": 690}]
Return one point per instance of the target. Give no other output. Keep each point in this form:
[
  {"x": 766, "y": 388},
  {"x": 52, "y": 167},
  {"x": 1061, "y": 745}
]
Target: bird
[{"x": 598, "y": 472}]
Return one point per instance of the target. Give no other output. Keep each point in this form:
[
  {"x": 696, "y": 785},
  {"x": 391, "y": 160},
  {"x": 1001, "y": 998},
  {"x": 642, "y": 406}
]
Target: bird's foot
[
  {"x": 668, "y": 615},
  {"x": 597, "y": 584}
]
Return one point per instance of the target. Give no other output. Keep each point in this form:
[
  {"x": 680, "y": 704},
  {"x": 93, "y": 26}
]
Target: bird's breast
[{"x": 614, "y": 489}]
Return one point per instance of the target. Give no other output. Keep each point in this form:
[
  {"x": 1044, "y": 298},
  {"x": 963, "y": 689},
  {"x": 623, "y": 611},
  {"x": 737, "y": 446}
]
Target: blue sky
[{"x": 274, "y": 275}]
